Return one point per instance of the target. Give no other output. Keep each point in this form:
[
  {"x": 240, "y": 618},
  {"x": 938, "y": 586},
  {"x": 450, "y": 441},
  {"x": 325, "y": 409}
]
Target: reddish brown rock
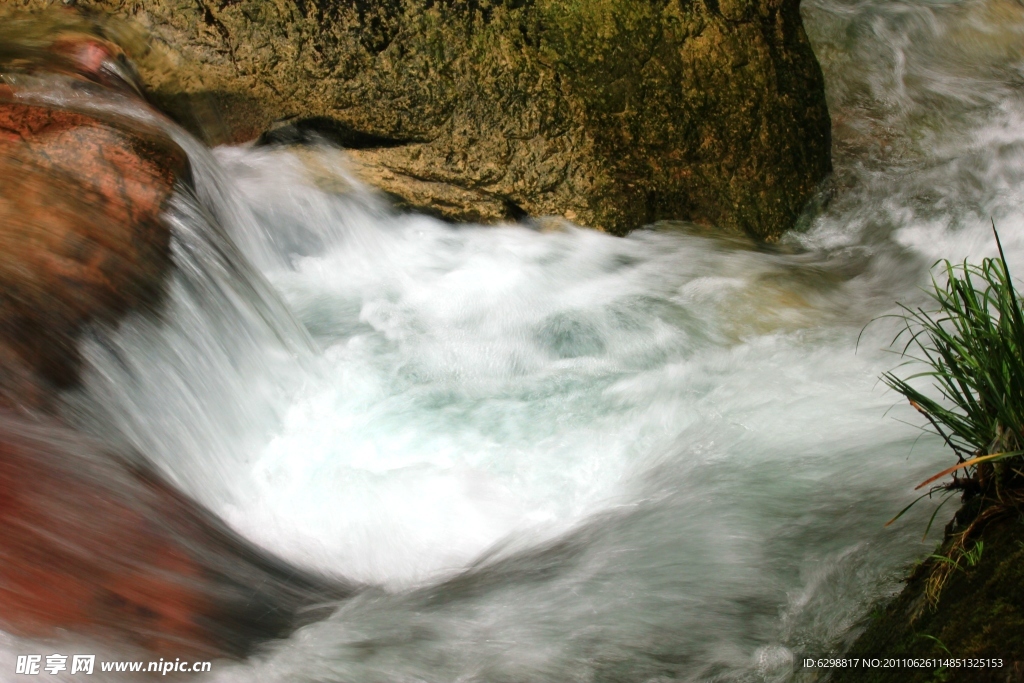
[
  {"x": 91, "y": 541},
  {"x": 96, "y": 59},
  {"x": 82, "y": 238}
]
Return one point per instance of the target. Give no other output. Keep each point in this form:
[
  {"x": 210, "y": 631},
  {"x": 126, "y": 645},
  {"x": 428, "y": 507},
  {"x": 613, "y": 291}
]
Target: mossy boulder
[
  {"x": 979, "y": 615},
  {"x": 611, "y": 113}
]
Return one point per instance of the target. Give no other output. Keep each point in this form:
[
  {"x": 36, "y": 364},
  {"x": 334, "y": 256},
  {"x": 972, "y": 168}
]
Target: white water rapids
[{"x": 567, "y": 456}]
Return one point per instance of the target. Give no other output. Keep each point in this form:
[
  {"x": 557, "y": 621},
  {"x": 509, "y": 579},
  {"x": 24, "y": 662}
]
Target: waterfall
[{"x": 564, "y": 456}]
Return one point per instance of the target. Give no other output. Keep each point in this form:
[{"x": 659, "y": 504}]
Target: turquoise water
[{"x": 566, "y": 456}]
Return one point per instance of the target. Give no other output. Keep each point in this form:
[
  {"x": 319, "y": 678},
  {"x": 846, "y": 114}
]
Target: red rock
[
  {"x": 82, "y": 238},
  {"x": 95, "y": 59},
  {"x": 90, "y": 541}
]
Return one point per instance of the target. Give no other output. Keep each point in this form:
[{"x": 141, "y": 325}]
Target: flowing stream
[{"x": 566, "y": 456}]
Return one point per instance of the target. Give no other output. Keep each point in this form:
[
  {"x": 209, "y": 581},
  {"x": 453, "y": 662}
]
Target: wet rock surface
[
  {"x": 99, "y": 544},
  {"x": 611, "y": 113},
  {"x": 92, "y": 539},
  {"x": 979, "y": 616},
  {"x": 82, "y": 238}
]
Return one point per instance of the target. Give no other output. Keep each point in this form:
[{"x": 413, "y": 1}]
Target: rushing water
[{"x": 566, "y": 456}]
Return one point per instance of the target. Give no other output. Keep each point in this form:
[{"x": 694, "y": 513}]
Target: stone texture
[
  {"x": 979, "y": 615},
  {"x": 93, "y": 540},
  {"x": 92, "y": 543},
  {"x": 82, "y": 239},
  {"x": 612, "y": 113}
]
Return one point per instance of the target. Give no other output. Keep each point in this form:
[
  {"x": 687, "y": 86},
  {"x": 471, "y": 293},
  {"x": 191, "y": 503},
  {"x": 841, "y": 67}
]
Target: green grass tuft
[{"x": 972, "y": 347}]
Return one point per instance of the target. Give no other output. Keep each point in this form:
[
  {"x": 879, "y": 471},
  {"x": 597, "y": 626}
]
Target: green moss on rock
[
  {"x": 980, "y": 614},
  {"x": 613, "y": 113}
]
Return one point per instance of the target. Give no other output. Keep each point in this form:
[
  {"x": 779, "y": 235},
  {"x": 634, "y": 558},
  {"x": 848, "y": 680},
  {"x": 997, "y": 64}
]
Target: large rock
[
  {"x": 81, "y": 197},
  {"x": 92, "y": 539},
  {"x": 612, "y": 113},
  {"x": 98, "y": 544},
  {"x": 82, "y": 240}
]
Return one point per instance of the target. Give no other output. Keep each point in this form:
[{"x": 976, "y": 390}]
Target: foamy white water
[{"x": 567, "y": 456}]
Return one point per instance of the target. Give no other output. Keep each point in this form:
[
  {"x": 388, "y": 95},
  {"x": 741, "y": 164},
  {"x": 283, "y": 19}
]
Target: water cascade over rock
[
  {"x": 477, "y": 452},
  {"x": 92, "y": 538}
]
